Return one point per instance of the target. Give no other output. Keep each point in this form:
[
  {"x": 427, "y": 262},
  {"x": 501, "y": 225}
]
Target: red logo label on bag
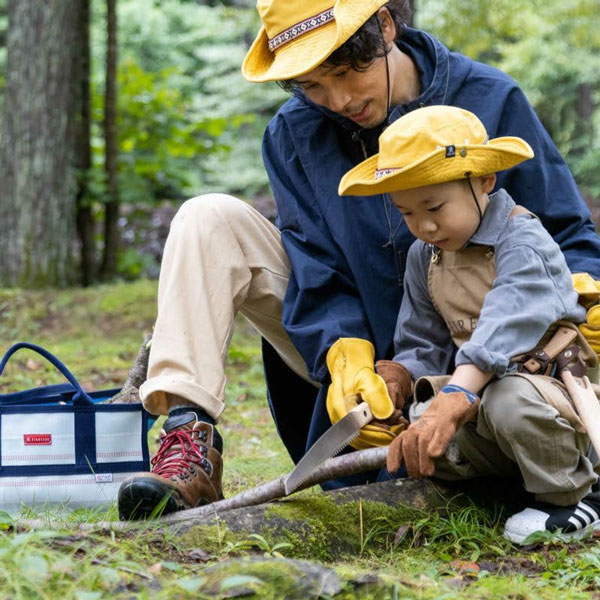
[{"x": 37, "y": 439}]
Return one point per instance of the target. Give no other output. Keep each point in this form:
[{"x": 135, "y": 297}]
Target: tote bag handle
[{"x": 79, "y": 398}]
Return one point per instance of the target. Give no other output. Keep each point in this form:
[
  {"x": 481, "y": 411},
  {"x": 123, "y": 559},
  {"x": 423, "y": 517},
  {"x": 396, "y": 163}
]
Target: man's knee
[{"x": 208, "y": 208}]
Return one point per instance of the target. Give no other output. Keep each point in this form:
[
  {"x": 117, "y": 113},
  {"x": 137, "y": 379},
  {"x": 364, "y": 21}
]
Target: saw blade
[{"x": 333, "y": 441}]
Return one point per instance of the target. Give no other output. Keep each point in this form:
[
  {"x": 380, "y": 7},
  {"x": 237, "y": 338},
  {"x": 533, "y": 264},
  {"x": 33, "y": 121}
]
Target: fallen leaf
[
  {"x": 464, "y": 567},
  {"x": 199, "y": 555},
  {"x": 402, "y": 532},
  {"x": 155, "y": 569}
]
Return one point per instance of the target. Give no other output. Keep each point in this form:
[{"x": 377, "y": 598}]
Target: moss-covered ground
[{"x": 358, "y": 550}]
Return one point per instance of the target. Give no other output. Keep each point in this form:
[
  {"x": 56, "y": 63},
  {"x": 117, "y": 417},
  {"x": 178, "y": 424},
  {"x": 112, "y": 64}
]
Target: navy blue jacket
[{"x": 348, "y": 253}]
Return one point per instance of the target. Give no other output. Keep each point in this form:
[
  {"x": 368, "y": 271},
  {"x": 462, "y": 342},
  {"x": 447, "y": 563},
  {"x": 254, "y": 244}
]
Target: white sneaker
[{"x": 571, "y": 522}]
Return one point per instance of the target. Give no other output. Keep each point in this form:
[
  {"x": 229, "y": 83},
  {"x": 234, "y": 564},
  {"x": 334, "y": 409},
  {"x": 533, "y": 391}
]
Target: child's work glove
[
  {"x": 589, "y": 294},
  {"x": 351, "y": 365},
  {"x": 428, "y": 438}
]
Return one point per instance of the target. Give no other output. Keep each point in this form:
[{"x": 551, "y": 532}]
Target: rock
[{"x": 286, "y": 578}]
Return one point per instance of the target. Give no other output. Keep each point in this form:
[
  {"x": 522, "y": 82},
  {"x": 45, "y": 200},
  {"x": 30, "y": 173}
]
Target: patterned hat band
[{"x": 299, "y": 29}]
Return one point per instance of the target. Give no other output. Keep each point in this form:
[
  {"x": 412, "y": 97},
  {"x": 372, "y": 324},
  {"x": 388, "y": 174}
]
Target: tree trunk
[
  {"x": 111, "y": 231},
  {"x": 85, "y": 219},
  {"x": 37, "y": 174},
  {"x": 584, "y": 113}
]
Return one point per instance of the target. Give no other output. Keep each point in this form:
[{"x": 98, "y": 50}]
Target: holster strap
[
  {"x": 570, "y": 359},
  {"x": 540, "y": 361}
]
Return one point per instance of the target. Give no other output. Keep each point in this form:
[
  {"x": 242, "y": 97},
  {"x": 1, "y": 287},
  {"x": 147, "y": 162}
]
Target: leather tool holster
[{"x": 563, "y": 346}]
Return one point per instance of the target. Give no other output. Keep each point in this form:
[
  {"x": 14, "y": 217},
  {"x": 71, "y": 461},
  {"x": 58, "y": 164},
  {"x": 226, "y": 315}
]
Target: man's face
[{"x": 357, "y": 95}]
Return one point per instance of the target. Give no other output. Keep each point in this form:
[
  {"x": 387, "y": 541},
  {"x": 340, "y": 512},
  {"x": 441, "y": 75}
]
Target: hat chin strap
[
  {"x": 387, "y": 75},
  {"x": 468, "y": 176}
]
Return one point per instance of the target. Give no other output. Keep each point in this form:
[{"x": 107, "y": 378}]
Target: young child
[{"x": 484, "y": 284}]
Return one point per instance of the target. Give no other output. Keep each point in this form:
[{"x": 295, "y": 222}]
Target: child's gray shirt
[{"x": 532, "y": 289}]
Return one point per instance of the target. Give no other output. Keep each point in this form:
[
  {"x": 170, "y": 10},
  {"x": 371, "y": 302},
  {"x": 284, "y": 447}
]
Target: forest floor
[{"x": 456, "y": 552}]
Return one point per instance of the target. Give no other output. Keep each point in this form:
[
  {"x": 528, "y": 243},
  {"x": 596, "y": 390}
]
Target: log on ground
[{"x": 317, "y": 525}]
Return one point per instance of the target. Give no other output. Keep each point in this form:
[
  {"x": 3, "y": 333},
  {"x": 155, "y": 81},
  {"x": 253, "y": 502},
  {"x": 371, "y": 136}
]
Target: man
[{"x": 324, "y": 287}]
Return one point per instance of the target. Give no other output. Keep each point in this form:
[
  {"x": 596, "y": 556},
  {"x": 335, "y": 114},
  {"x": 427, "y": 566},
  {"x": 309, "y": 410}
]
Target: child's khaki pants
[
  {"x": 517, "y": 431},
  {"x": 222, "y": 256}
]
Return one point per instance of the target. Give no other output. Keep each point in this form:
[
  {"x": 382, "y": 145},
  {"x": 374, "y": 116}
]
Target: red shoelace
[{"x": 170, "y": 460}]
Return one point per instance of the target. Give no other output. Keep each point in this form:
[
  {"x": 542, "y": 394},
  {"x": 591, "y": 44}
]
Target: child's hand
[{"x": 428, "y": 438}]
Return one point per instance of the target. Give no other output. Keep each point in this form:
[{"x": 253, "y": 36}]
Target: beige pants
[
  {"x": 221, "y": 257},
  {"x": 517, "y": 431}
]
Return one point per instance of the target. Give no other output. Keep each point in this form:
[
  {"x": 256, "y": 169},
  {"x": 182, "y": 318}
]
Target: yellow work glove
[
  {"x": 589, "y": 294},
  {"x": 351, "y": 365},
  {"x": 591, "y": 328}
]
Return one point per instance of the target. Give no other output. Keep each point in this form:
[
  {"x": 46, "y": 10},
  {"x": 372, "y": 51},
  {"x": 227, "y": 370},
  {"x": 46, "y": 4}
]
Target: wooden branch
[
  {"x": 247, "y": 511},
  {"x": 137, "y": 375},
  {"x": 333, "y": 468}
]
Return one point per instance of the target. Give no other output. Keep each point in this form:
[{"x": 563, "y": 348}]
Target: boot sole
[{"x": 147, "y": 498}]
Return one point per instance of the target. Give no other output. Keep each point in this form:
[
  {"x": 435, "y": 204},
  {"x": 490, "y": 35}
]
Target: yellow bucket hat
[
  {"x": 297, "y": 35},
  {"x": 432, "y": 145}
]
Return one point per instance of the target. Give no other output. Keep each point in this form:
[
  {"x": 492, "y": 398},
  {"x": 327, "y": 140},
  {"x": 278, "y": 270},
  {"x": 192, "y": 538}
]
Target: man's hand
[
  {"x": 589, "y": 295},
  {"x": 428, "y": 438},
  {"x": 353, "y": 378}
]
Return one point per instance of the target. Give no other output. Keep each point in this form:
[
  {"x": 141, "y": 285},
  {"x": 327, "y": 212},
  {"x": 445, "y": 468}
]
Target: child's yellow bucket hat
[
  {"x": 298, "y": 35},
  {"x": 432, "y": 145}
]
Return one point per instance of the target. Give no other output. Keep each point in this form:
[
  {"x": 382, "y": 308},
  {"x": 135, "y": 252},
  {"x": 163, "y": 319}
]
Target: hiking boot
[
  {"x": 571, "y": 522},
  {"x": 186, "y": 472}
]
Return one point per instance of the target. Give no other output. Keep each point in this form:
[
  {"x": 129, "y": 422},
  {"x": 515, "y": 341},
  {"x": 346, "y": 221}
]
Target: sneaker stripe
[
  {"x": 589, "y": 510},
  {"x": 577, "y": 521},
  {"x": 573, "y": 521},
  {"x": 583, "y": 509},
  {"x": 585, "y": 517}
]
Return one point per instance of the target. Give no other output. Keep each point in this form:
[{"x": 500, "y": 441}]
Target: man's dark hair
[{"x": 364, "y": 46}]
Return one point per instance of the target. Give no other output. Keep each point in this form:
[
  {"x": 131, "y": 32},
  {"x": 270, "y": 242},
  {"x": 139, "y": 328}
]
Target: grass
[{"x": 457, "y": 552}]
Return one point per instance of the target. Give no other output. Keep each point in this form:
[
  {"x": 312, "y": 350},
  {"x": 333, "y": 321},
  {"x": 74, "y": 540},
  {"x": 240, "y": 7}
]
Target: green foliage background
[
  {"x": 551, "y": 48},
  {"x": 188, "y": 123}
]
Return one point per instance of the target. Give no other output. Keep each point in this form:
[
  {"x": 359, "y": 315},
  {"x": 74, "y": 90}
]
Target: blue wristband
[{"x": 451, "y": 388}]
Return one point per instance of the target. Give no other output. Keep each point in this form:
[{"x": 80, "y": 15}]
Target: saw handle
[{"x": 586, "y": 403}]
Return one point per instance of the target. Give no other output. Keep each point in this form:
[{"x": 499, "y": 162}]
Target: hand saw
[{"x": 334, "y": 440}]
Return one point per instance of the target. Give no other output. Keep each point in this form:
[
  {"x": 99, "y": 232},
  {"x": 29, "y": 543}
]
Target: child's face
[{"x": 444, "y": 214}]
